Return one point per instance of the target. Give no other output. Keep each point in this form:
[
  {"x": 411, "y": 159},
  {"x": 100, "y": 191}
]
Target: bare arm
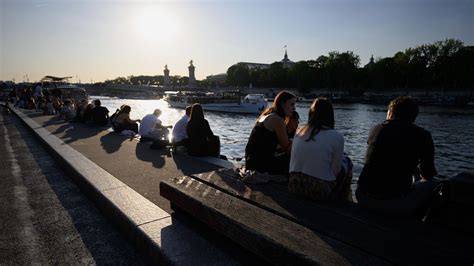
[{"x": 276, "y": 124}]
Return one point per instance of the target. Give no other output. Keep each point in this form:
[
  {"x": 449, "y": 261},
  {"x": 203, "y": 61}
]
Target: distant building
[
  {"x": 371, "y": 62},
  {"x": 218, "y": 79},
  {"x": 285, "y": 61}
]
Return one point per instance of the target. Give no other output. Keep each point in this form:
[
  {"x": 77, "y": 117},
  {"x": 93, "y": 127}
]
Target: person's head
[
  {"x": 283, "y": 105},
  {"x": 188, "y": 110},
  {"x": 293, "y": 121},
  {"x": 196, "y": 112},
  {"x": 126, "y": 109},
  {"x": 67, "y": 102},
  {"x": 157, "y": 112},
  {"x": 97, "y": 103},
  {"x": 321, "y": 114},
  {"x": 402, "y": 108}
]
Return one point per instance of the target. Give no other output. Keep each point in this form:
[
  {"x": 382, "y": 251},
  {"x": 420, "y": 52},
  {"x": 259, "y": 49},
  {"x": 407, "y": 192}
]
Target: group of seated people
[
  {"x": 84, "y": 112},
  {"x": 313, "y": 156},
  {"x": 191, "y": 131}
]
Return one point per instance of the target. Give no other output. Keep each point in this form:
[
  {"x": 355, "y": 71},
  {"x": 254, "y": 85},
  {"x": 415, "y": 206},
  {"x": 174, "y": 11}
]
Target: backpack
[{"x": 453, "y": 203}]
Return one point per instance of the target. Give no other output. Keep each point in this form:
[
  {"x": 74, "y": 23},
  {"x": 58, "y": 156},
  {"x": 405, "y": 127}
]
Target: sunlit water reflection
[{"x": 451, "y": 128}]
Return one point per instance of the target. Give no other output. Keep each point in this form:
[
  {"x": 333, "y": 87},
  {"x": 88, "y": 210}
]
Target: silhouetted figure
[
  {"x": 123, "y": 121},
  {"x": 397, "y": 150},
  {"x": 268, "y": 148},
  {"x": 100, "y": 114},
  {"x": 201, "y": 140}
]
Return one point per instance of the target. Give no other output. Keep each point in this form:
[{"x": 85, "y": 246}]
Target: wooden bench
[{"x": 285, "y": 229}]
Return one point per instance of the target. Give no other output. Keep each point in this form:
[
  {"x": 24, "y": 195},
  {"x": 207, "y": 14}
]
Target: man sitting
[
  {"x": 398, "y": 150},
  {"x": 151, "y": 127},
  {"x": 99, "y": 114},
  {"x": 179, "y": 134}
]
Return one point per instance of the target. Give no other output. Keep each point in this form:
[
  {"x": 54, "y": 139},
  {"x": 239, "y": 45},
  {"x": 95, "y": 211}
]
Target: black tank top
[{"x": 260, "y": 148}]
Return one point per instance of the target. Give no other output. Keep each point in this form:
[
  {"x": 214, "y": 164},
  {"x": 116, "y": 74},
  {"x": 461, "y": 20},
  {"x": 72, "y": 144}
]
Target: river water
[{"x": 452, "y": 129}]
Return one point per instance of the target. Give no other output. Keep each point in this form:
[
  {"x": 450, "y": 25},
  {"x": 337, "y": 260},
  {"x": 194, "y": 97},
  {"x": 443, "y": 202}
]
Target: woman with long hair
[
  {"x": 201, "y": 140},
  {"x": 123, "y": 121},
  {"x": 317, "y": 155},
  {"x": 268, "y": 147}
]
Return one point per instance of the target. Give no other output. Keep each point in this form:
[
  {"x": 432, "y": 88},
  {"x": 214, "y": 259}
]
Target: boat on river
[{"x": 228, "y": 102}]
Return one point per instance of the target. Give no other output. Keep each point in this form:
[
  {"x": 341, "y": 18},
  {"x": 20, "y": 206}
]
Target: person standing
[{"x": 397, "y": 151}]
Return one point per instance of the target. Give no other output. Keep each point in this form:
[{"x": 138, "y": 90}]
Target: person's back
[
  {"x": 151, "y": 126},
  {"x": 100, "y": 115},
  {"x": 87, "y": 114},
  {"x": 318, "y": 168},
  {"x": 320, "y": 157},
  {"x": 395, "y": 148},
  {"x": 397, "y": 151},
  {"x": 201, "y": 140},
  {"x": 198, "y": 134},
  {"x": 179, "y": 130}
]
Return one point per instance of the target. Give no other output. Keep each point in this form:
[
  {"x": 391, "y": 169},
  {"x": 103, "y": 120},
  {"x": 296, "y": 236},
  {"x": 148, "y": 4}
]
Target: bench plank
[
  {"x": 270, "y": 236},
  {"x": 394, "y": 239}
]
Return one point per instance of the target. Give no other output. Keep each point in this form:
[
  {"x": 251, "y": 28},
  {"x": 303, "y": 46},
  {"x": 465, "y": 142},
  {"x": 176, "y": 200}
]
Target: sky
[{"x": 99, "y": 40}]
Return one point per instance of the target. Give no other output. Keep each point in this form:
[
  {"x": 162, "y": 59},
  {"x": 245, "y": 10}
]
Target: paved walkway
[
  {"x": 133, "y": 163},
  {"x": 133, "y": 201},
  {"x": 44, "y": 217}
]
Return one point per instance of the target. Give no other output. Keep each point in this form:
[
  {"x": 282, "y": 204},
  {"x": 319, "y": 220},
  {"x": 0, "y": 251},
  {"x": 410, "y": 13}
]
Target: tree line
[{"x": 444, "y": 64}]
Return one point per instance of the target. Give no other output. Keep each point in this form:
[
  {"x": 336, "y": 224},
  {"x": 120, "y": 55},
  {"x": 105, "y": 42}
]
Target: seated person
[
  {"x": 397, "y": 148},
  {"x": 151, "y": 127},
  {"x": 80, "y": 111},
  {"x": 268, "y": 148},
  {"x": 201, "y": 140},
  {"x": 179, "y": 135},
  {"x": 114, "y": 116},
  {"x": 317, "y": 155},
  {"x": 100, "y": 114},
  {"x": 67, "y": 111},
  {"x": 87, "y": 113},
  {"x": 123, "y": 121},
  {"x": 292, "y": 124}
]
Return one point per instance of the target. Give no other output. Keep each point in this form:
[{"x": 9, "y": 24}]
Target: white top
[
  {"x": 321, "y": 157},
  {"x": 179, "y": 129},
  {"x": 148, "y": 124}
]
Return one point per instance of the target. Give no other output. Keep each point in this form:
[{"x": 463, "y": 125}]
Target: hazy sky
[{"x": 98, "y": 40}]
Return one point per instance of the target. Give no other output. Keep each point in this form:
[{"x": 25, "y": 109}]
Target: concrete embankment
[
  {"x": 121, "y": 176},
  {"x": 45, "y": 219}
]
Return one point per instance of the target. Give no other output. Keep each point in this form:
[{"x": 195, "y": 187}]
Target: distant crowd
[{"x": 397, "y": 178}]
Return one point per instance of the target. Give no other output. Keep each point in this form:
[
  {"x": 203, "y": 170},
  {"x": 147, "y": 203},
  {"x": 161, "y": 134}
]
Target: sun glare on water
[{"x": 156, "y": 24}]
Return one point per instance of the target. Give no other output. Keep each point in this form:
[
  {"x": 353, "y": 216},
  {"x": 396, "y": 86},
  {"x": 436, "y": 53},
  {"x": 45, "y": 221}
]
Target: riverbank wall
[{"x": 94, "y": 158}]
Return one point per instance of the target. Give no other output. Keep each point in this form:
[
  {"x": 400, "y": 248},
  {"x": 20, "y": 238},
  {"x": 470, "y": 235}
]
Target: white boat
[{"x": 228, "y": 102}]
